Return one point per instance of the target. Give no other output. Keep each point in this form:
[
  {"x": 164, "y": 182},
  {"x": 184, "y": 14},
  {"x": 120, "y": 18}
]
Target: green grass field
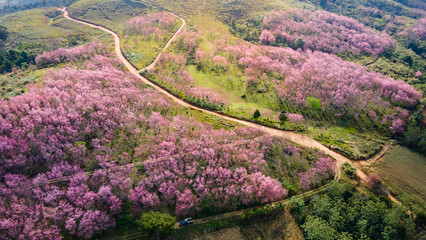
[
  {"x": 404, "y": 171},
  {"x": 109, "y": 13},
  {"x": 36, "y": 31},
  {"x": 226, "y": 10}
]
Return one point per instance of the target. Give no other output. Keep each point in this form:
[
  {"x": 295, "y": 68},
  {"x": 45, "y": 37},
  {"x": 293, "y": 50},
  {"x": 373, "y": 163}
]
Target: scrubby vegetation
[
  {"x": 12, "y": 59},
  {"x": 14, "y": 84},
  {"x": 369, "y": 11},
  {"x": 109, "y": 13},
  {"x": 223, "y": 10},
  {"x": 45, "y": 29}
]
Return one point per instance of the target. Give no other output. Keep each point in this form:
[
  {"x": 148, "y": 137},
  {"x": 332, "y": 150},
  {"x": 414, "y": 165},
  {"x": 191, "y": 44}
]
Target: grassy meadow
[
  {"x": 404, "y": 171},
  {"x": 224, "y": 10},
  {"x": 45, "y": 29},
  {"x": 109, "y": 13}
]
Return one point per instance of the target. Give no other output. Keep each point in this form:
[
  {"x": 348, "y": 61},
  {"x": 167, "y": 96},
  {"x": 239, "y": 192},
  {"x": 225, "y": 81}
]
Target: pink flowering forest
[
  {"x": 345, "y": 90},
  {"x": 322, "y": 31},
  {"x": 92, "y": 144}
]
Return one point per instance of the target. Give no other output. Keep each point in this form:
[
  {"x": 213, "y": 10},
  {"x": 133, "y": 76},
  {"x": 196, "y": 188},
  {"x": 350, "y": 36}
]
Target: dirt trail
[
  {"x": 290, "y": 136},
  {"x": 150, "y": 67},
  {"x": 300, "y": 139}
]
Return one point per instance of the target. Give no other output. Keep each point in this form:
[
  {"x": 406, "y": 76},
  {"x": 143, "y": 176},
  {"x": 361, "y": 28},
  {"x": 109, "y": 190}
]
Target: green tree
[
  {"x": 345, "y": 236},
  {"x": 349, "y": 170},
  {"x": 340, "y": 191},
  {"x": 3, "y": 33},
  {"x": 296, "y": 204},
  {"x": 389, "y": 233},
  {"x": 421, "y": 220},
  {"x": 283, "y": 117},
  {"x": 318, "y": 229},
  {"x": 299, "y": 43},
  {"x": 256, "y": 114},
  {"x": 408, "y": 60},
  {"x": 314, "y": 103},
  {"x": 156, "y": 224}
]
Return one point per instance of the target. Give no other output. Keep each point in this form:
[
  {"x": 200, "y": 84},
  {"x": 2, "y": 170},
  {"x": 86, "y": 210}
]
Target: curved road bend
[
  {"x": 291, "y": 136},
  {"x": 300, "y": 139}
]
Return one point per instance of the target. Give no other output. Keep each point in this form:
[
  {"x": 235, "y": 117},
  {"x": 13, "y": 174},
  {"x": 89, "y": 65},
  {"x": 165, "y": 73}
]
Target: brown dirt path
[{"x": 300, "y": 139}]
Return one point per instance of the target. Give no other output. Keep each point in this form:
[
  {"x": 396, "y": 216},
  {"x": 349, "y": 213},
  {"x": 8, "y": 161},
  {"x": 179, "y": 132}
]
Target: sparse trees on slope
[{"x": 323, "y": 31}]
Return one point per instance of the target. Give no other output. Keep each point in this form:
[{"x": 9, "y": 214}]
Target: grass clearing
[
  {"x": 404, "y": 171},
  {"x": 224, "y": 10},
  {"x": 109, "y": 13},
  {"x": 348, "y": 140},
  {"x": 34, "y": 30}
]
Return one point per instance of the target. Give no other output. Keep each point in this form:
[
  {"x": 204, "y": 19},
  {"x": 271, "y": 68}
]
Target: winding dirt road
[{"x": 300, "y": 139}]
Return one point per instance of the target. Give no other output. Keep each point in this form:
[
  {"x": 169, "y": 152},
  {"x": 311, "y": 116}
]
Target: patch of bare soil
[{"x": 224, "y": 234}]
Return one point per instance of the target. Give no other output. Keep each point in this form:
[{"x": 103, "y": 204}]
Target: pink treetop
[
  {"x": 267, "y": 37},
  {"x": 398, "y": 126},
  {"x": 418, "y": 31},
  {"x": 344, "y": 88},
  {"x": 71, "y": 54},
  {"x": 373, "y": 180},
  {"x": 294, "y": 117},
  {"x": 219, "y": 60},
  {"x": 152, "y": 24}
]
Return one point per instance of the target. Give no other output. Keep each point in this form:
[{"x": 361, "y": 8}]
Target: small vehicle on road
[{"x": 186, "y": 222}]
